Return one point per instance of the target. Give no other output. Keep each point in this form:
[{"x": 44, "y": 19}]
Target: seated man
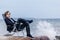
[{"x": 21, "y": 24}]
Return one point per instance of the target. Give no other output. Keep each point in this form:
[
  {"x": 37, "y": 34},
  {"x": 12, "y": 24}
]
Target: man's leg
[
  {"x": 28, "y": 30},
  {"x": 25, "y": 24},
  {"x": 20, "y": 28}
]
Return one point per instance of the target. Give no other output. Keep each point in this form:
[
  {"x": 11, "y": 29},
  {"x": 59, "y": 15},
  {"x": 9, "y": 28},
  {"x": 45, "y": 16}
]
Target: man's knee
[{"x": 27, "y": 24}]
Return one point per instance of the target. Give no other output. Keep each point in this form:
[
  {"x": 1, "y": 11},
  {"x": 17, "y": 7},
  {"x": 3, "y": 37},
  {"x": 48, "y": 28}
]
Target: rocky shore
[{"x": 22, "y": 38}]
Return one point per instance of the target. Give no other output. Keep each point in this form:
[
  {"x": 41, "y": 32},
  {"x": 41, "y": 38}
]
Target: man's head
[{"x": 7, "y": 14}]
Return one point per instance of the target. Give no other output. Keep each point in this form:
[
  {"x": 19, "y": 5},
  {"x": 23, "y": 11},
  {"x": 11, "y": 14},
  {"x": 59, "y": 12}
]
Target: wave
[
  {"x": 44, "y": 28},
  {"x": 38, "y": 28}
]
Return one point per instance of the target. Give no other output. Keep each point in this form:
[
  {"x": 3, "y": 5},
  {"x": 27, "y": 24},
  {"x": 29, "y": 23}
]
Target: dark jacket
[{"x": 9, "y": 22}]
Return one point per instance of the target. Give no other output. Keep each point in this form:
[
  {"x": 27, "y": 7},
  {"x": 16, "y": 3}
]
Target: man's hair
[{"x": 6, "y": 13}]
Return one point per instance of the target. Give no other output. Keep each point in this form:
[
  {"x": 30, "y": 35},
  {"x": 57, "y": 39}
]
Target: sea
[{"x": 39, "y": 27}]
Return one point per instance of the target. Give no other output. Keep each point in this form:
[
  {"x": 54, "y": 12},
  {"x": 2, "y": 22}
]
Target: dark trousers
[{"x": 24, "y": 25}]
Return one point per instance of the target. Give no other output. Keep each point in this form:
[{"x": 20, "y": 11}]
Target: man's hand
[{"x": 21, "y": 23}]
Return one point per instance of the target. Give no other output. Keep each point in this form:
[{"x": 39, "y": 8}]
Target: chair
[{"x": 13, "y": 28}]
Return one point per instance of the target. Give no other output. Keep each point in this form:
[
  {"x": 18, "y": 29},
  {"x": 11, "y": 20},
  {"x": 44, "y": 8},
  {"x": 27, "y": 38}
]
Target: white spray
[{"x": 45, "y": 29}]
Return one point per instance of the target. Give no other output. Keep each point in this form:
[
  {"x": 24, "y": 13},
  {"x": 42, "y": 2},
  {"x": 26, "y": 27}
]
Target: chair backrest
[{"x": 3, "y": 16}]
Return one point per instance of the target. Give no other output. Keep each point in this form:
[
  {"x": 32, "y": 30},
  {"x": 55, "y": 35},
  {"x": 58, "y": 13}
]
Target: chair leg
[
  {"x": 9, "y": 34},
  {"x": 23, "y": 33}
]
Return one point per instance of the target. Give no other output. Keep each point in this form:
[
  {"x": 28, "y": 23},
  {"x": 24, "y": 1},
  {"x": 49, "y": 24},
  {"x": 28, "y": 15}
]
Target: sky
[{"x": 31, "y": 8}]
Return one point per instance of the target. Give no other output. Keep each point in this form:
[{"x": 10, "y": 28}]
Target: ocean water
[{"x": 39, "y": 27}]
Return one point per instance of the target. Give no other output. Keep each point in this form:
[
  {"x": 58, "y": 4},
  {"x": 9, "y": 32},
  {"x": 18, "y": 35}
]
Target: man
[{"x": 21, "y": 24}]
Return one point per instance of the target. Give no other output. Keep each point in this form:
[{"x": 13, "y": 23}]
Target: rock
[
  {"x": 36, "y": 38},
  {"x": 14, "y": 38},
  {"x": 44, "y": 38},
  {"x": 57, "y": 37},
  {"x": 41, "y": 38},
  {"x": 23, "y": 38}
]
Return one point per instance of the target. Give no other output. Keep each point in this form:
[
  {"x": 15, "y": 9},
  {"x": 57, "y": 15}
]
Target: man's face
[{"x": 8, "y": 15}]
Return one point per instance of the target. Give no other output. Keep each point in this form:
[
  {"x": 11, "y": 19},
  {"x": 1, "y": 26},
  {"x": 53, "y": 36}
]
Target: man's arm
[
  {"x": 13, "y": 19},
  {"x": 8, "y": 22}
]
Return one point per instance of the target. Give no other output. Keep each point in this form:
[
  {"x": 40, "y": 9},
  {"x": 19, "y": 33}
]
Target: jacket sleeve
[
  {"x": 8, "y": 22},
  {"x": 13, "y": 19}
]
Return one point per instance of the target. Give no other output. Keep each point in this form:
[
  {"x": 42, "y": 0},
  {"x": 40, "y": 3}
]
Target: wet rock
[
  {"x": 44, "y": 38},
  {"x": 14, "y": 38}
]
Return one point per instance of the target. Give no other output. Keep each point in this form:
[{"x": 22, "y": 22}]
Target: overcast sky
[{"x": 31, "y": 8}]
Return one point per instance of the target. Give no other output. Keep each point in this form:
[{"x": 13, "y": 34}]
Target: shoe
[
  {"x": 30, "y": 21},
  {"x": 30, "y": 36}
]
